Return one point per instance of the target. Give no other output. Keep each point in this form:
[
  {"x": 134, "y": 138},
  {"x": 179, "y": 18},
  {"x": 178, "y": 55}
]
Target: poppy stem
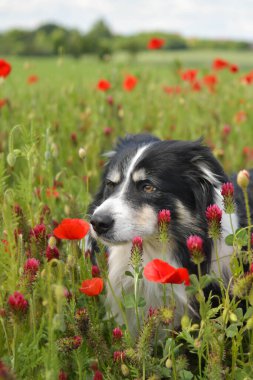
[{"x": 120, "y": 308}]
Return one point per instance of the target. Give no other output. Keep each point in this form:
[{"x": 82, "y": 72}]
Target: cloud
[{"x": 206, "y": 18}]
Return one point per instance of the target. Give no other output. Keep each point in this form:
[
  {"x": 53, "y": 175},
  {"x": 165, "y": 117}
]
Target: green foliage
[
  {"x": 52, "y": 39},
  {"x": 42, "y": 128}
]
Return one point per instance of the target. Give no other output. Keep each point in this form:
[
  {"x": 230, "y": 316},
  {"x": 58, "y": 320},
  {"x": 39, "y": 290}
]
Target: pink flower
[
  {"x": 38, "y": 232},
  {"x": 137, "y": 243},
  {"x": 95, "y": 272},
  {"x": 213, "y": 213},
  {"x": 195, "y": 246},
  {"x": 119, "y": 356},
  {"x": 31, "y": 266},
  {"x": 194, "y": 243},
  {"x": 52, "y": 253},
  {"x": 98, "y": 375},
  {"x": 117, "y": 333},
  {"x": 62, "y": 375},
  {"x": 17, "y": 302},
  {"x": 164, "y": 216},
  {"x": 213, "y": 216},
  {"x": 227, "y": 189}
]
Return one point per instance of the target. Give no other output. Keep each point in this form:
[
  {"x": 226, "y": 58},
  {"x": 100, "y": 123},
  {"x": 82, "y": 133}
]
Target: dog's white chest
[{"x": 152, "y": 292}]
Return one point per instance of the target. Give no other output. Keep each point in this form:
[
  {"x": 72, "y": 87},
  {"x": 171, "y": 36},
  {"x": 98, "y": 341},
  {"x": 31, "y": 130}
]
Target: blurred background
[{"x": 111, "y": 28}]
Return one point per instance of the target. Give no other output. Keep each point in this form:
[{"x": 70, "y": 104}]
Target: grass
[{"x": 43, "y": 126}]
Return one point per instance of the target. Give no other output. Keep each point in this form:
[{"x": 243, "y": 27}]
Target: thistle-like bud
[
  {"x": 17, "y": 302},
  {"x": 136, "y": 252},
  {"x": 82, "y": 320},
  {"x": 164, "y": 218},
  {"x": 195, "y": 246},
  {"x": 69, "y": 344},
  {"x": 213, "y": 216},
  {"x": 243, "y": 179},
  {"x": 52, "y": 253},
  {"x": 227, "y": 192},
  {"x": 167, "y": 315},
  {"x": 119, "y": 356}
]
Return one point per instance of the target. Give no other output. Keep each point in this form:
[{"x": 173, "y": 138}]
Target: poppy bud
[
  {"x": 124, "y": 369},
  {"x": 11, "y": 159},
  {"x": 243, "y": 179},
  {"x": 82, "y": 153}
]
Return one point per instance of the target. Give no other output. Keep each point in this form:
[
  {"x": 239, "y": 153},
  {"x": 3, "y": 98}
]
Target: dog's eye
[
  {"x": 110, "y": 185},
  {"x": 149, "y": 188}
]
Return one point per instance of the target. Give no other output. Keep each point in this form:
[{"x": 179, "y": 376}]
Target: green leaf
[
  {"x": 128, "y": 273},
  {"x": 231, "y": 331},
  {"x": 248, "y": 313},
  {"x": 229, "y": 240},
  {"x": 242, "y": 237},
  {"x": 129, "y": 301},
  {"x": 185, "y": 375},
  {"x": 141, "y": 302},
  {"x": 205, "y": 281}
]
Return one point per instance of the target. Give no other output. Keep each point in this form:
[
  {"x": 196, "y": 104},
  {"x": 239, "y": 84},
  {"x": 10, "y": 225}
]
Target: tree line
[{"x": 52, "y": 39}]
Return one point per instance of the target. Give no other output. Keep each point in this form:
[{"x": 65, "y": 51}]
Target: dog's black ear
[{"x": 204, "y": 174}]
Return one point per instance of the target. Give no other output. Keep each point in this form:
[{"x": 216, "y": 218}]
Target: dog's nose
[{"x": 101, "y": 223}]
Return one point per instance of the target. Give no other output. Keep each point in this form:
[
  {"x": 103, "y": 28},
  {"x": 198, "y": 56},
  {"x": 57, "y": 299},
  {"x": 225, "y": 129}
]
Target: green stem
[
  {"x": 14, "y": 343},
  {"x": 246, "y": 199},
  {"x": 199, "y": 270},
  {"x": 136, "y": 299},
  {"x": 143, "y": 370},
  {"x": 120, "y": 308},
  {"x": 217, "y": 257},
  {"x": 6, "y": 336}
]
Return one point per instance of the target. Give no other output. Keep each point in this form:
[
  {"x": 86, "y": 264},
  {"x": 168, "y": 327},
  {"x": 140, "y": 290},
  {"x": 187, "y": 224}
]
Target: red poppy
[
  {"x": 172, "y": 90},
  {"x": 130, "y": 82},
  {"x": 32, "y": 79},
  {"x": 156, "y": 43},
  {"x": 160, "y": 271},
  {"x": 240, "y": 116},
  {"x": 72, "y": 229},
  {"x": 51, "y": 192},
  {"x": 3, "y": 102},
  {"x": 248, "y": 78},
  {"x": 233, "y": 68},
  {"x": 189, "y": 75},
  {"x": 103, "y": 85},
  {"x": 210, "y": 81},
  {"x": 196, "y": 86},
  {"x": 220, "y": 64},
  {"x": 5, "y": 68},
  {"x": 92, "y": 287}
]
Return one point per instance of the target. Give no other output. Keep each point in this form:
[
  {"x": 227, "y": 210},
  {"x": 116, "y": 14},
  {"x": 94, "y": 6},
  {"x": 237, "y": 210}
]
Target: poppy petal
[
  {"x": 158, "y": 271},
  {"x": 92, "y": 287},
  {"x": 72, "y": 229}
]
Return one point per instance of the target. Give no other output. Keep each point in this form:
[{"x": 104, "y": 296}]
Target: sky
[{"x": 222, "y": 19}]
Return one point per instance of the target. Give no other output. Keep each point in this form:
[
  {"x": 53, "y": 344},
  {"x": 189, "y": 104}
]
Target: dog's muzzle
[{"x": 101, "y": 223}]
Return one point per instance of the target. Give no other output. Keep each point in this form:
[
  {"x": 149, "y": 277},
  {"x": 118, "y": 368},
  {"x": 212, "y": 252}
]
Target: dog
[{"x": 143, "y": 176}]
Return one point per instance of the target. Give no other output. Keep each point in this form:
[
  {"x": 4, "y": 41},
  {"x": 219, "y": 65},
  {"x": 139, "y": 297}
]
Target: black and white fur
[{"x": 143, "y": 176}]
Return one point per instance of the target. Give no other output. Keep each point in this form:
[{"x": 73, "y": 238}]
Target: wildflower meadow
[{"x": 58, "y": 116}]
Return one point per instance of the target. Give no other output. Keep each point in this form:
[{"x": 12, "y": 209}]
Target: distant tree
[{"x": 74, "y": 43}]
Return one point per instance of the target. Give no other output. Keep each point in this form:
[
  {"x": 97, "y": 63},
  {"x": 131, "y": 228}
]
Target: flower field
[{"x": 57, "y": 118}]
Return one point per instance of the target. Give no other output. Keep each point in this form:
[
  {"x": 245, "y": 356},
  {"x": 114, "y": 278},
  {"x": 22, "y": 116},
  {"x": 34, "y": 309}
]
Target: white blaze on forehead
[
  {"x": 131, "y": 168},
  {"x": 114, "y": 176},
  {"x": 139, "y": 175}
]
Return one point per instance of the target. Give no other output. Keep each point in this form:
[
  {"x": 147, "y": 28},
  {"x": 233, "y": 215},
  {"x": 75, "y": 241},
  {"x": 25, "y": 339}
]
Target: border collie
[{"x": 143, "y": 176}]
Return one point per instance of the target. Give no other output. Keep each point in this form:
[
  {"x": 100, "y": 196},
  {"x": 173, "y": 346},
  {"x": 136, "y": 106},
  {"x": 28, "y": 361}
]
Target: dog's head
[{"x": 145, "y": 175}]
